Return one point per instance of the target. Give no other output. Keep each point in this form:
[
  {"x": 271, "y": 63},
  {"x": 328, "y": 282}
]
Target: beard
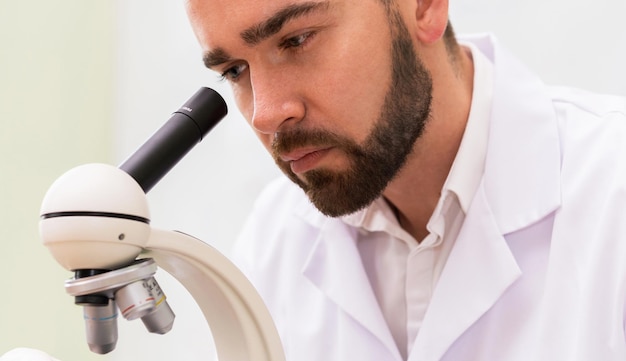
[{"x": 373, "y": 164}]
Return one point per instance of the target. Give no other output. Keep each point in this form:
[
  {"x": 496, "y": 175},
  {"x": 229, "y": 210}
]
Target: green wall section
[{"x": 56, "y": 107}]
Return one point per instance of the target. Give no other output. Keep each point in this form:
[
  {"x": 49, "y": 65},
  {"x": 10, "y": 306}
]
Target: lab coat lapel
[
  {"x": 520, "y": 187},
  {"x": 335, "y": 267},
  {"x": 479, "y": 269}
]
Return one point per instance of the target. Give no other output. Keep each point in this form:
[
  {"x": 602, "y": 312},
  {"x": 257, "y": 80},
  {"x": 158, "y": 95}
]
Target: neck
[{"x": 415, "y": 191}]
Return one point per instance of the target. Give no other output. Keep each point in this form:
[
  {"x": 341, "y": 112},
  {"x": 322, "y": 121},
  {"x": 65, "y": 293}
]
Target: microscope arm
[{"x": 241, "y": 325}]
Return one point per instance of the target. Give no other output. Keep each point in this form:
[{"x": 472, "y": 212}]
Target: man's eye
[
  {"x": 232, "y": 73},
  {"x": 297, "y": 41}
]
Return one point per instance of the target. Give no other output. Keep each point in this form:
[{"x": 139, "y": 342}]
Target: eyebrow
[
  {"x": 215, "y": 57},
  {"x": 263, "y": 30},
  {"x": 257, "y": 33}
]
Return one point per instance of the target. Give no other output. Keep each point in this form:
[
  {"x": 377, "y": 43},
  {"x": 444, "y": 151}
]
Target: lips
[{"x": 303, "y": 160}]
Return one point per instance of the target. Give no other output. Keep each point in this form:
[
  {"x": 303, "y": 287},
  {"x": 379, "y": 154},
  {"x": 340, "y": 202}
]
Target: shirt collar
[{"x": 469, "y": 164}]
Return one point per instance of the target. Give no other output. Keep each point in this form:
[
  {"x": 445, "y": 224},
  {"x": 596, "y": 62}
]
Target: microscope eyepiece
[{"x": 186, "y": 127}]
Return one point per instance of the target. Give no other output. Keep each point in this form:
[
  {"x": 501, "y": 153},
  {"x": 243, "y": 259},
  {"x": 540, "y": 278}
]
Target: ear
[{"x": 432, "y": 19}]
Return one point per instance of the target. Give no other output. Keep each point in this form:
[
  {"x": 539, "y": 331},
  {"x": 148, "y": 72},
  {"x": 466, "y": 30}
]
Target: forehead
[{"x": 212, "y": 20}]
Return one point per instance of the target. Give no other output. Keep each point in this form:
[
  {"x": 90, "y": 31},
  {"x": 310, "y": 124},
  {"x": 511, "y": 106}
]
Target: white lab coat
[{"x": 538, "y": 271}]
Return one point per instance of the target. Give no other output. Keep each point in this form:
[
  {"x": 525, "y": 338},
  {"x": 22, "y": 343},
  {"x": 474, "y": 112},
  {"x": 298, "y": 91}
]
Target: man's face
[{"x": 333, "y": 89}]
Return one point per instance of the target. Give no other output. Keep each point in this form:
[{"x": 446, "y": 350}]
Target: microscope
[{"x": 95, "y": 221}]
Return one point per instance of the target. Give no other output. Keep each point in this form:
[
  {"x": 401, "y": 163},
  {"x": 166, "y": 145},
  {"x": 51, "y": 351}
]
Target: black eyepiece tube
[{"x": 185, "y": 128}]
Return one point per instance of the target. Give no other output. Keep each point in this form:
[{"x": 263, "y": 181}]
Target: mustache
[{"x": 287, "y": 141}]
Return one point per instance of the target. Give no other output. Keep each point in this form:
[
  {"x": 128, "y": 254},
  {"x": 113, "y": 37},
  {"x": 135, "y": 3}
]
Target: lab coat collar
[
  {"x": 479, "y": 270},
  {"x": 522, "y": 167},
  {"x": 335, "y": 267}
]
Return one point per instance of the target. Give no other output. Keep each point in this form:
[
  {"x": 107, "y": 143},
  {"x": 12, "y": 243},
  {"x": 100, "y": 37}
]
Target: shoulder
[
  {"x": 282, "y": 202},
  {"x": 592, "y": 131},
  {"x": 589, "y": 120},
  {"x": 280, "y": 230},
  {"x": 281, "y": 193},
  {"x": 576, "y": 102}
]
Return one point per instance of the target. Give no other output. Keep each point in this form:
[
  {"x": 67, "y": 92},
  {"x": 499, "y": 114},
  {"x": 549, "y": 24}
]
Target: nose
[{"x": 277, "y": 101}]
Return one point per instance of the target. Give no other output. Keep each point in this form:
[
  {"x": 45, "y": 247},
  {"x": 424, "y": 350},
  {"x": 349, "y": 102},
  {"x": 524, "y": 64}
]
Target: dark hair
[
  {"x": 449, "y": 38},
  {"x": 452, "y": 46}
]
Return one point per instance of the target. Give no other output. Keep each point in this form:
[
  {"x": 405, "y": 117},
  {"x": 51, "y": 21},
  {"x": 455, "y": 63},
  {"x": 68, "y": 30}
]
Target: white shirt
[{"x": 402, "y": 271}]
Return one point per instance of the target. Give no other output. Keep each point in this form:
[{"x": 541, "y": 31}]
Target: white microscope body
[{"x": 96, "y": 223}]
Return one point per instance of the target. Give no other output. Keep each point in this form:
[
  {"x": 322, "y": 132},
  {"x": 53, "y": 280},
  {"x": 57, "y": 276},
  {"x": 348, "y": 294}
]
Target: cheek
[{"x": 358, "y": 85}]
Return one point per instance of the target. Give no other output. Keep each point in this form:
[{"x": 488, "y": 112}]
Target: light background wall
[
  {"x": 106, "y": 75},
  {"x": 56, "y": 105}
]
